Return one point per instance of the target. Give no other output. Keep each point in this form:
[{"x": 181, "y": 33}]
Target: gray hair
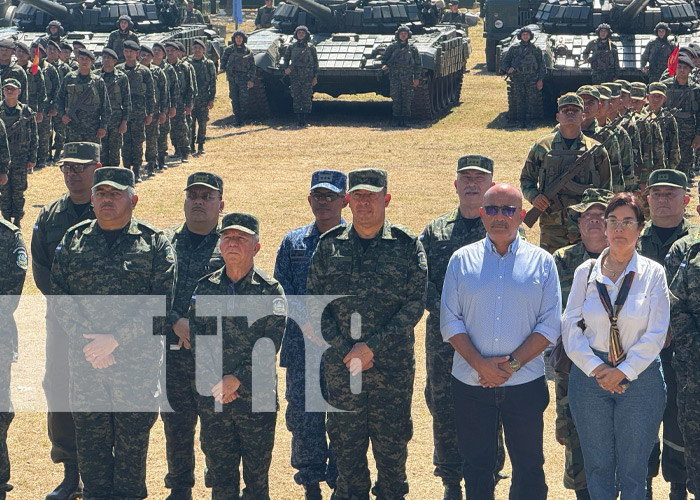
[{"x": 129, "y": 189}]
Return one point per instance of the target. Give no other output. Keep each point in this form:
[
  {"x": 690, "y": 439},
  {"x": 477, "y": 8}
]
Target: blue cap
[{"x": 334, "y": 180}]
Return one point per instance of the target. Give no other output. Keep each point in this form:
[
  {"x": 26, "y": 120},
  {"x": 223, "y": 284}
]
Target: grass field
[{"x": 266, "y": 169}]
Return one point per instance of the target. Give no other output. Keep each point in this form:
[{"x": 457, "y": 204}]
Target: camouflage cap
[
  {"x": 668, "y": 177},
  {"x": 117, "y": 177},
  {"x": 199, "y": 42},
  {"x": 23, "y": 47},
  {"x": 334, "y": 180},
  {"x": 205, "y": 179},
  {"x": 614, "y": 89},
  {"x": 243, "y": 222},
  {"x": 110, "y": 53},
  {"x": 569, "y": 99},
  {"x": 588, "y": 90},
  {"x": 86, "y": 53},
  {"x": 625, "y": 86},
  {"x": 603, "y": 91},
  {"x": 657, "y": 88},
  {"x": 131, "y": 45},
  {"x": 591, "y": 196},
  {"x": 11, "y": 82},
  {"x": 475, "y": 162},
  {"x": 80, "y": 152},
  {"x": 7, "y": 44},
  {"x": 371, "y": 179},
  {"x": 638, "y": 91},
  {"x": 146, "y": 49}
]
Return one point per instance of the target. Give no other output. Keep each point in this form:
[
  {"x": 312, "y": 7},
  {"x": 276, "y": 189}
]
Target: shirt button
[
  {"x": 499, "y": 297},
  {"x": 496, "y": 340},
  {"x": 500, "y": 277},
  {"x": 498, "y": 318}
]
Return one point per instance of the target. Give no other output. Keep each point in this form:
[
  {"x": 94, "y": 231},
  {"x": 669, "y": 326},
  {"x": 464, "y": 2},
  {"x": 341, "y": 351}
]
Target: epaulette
[
  {"x": 333, "y": 232},
  {"x": 80, "y": 225},
  {"x": 401, "y": 230},
  {"x": 264, "y": 276},
  {"x": 8, "y": 224},
  {"x": 148, "y": 227}
]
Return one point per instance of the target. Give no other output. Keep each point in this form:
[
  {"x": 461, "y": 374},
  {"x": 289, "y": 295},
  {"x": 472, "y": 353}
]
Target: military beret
[
  {"x": 603, "y": 91},
  {"x": 625, "y": 86},
  {"x": 475, "y": 162},
  {"x": 668, "y": 177},
  {"x": 41, "y": 48},
  {"x": 87, "y": 53},
  {"x": 171, "y": 44},
  {"x": 657, "y": 88},
  {"x": 199, "y": 42},
  {"x": 53, "y": 44},
  {"x": 614, "y": 89},
  {"x": 117, "y": 177},
  {"x": 588, "y": 90},
  {"x": 146, "y": 49},
  {"x": 454, "y": 2},
  {"x": 23, "y": 47},
  {"x": 7, "y": 44},
  {"x": 159, "y": 45},
  {"x": 131, "y": 45},
  {"x": 638, "y": 91},
  {"x": 180, "y": 46},
  {"x": 78, "y": 43},
  {"x": 684, "y": 58},
  {"x": 241, "y": 221},
  {"x": 591, "y": 196},
  {"x": 333, "y": 180},
  {"x": 569, "y": 99},
  {"x": 80, "y": 152},
  {"x": 11, "y": 82},
  {"x": 370, "y": 179},
  {"x": 66, "y": 46},
  {"x": 206, "y": 179},
  {"x": 110, "y": 53}
]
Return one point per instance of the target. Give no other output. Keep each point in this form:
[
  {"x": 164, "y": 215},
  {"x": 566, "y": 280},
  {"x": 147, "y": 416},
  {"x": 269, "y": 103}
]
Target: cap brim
[
  {"x": 115, "y": 185},
  {"x": 366, "y": 187},
  {"x": 76, "y": 160},
  {"x": 582, "y": 207},
  {"x": 202, "y": 184},
  {"x": 472, "y": 167},
  {"x": 326, "y": 185},
  {"x": 637, "y": 98},
  {"x": 236, "y": 226},
  {"x": 658, "y": 92},
  {"x": 665, "y": 184}
]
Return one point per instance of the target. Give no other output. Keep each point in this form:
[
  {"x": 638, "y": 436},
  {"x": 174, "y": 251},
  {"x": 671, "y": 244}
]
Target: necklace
[{"x": 614, "y": 273}]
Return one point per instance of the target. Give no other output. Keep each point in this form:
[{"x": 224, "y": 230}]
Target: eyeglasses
[
  {"x": 76, "y": 169},
  {"x": 506, "y": 210},
  {"x": 191, "y": 195},
  {"x": 357, "y": 196},
  {"x": 660, "y": 195},
  {"x": 327, "y": 197},
  {"x": 625, "y": 223}
]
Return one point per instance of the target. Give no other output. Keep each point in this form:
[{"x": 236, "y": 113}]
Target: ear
[
  {"x": 481, "y": 211},
  {"x": 134, "y": 201},
  {"x": 308, "y": 198},
  {"x": 257, "y": 248},
  {"x": 523, "y": 212},
  {"x": 346, "y": 200},
  {"x": 387, "y": 199},
  {"x": 686, "y": 200},
  {"x": 221, "y": 207}
]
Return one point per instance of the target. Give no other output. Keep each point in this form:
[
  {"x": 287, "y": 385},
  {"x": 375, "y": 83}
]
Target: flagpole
[{"x": 234, "y": 12}]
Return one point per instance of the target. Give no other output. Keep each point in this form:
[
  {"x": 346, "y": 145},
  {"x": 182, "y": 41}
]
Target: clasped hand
[
  {"x": 364, "y": 354},
  {"x": 609, "y": 379},
  {"x": 493, "y": 371},
  {"x": 99, "y": 352}
]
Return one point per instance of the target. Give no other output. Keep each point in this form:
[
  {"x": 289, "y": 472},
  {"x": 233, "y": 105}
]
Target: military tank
[
  {"x": 563, "y": 29},
  {"x": 91, "y": 21},
  {"x": 350, "y": 37}
]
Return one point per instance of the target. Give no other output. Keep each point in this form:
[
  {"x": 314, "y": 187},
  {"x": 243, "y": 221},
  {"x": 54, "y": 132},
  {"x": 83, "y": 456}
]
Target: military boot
[
  {"x": 161, "y": 163},
  {"x": 453, "y": 490},
  {"x": 57, "y": 155},
  {"x": 300, "y": 119},
  {"x": 137, "y": 173},
  {"x": 224, "y": 493},
  {"x": 583, "y": 494},
  {"x": 650, "y": 493},
  {"x": 678, "y": 492},
  {"x": 200, "y": 148},
  {"x": 180, "y": 494},
  {"x": 71, "y": 487},
  {"x": 185, "y": 157},
  {"x": 312, "y": 491}
]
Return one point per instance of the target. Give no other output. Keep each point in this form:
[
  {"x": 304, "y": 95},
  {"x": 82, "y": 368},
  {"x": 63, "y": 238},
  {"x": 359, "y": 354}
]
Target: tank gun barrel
[
  {"x": 321, "y": 12},
  {"x": 55, "y": 9},
  {"x": 631, "y": 11}
]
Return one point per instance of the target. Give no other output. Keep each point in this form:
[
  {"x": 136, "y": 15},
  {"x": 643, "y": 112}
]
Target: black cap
[
  {"x": 146, "y": 49},
  {"x": 66, "y": 46},
  {"x": 23, "y": 47},
  {"x": 199, "y": 42},
  {"x": 684, "y": 58},
  {"x": 78, "y": 43},
  {"x": 7, "y": 44},
  {"x": 110, "y": 53},
  {"x": 53, "y": 44},
  {"x": 132, "y": 45},
  {"x": 86, "y": 53},
  {"x": 159, "y": 45},
  {"x": 243, "y": 222},
  {"x": 180, "y": 46},
  {"x": 171, "y": 44},
  {"x": 206, "y": 179}
]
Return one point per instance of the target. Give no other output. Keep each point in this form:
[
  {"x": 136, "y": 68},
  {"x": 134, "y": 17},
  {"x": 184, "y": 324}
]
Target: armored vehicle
[{"x": 350, "y": 38}]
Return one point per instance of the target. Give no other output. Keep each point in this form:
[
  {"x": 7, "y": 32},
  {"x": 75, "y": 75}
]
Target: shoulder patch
[
  {"x": 58, "y": 247},
  {"x": 21, "y": 258},
  {"x": 170, "y": 254},
  {"x": 422, "y": 261},
  {"x": 279, "y": 306}
]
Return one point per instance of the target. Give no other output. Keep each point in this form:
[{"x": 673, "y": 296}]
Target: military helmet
[
  {"x": 126, "y": 18},
  {"x": 662, "y": 26},
  {"x": 526, "y": 29},
  {"x": 603, "y": 26},
  {"x": 245, "y": 37},
  {"x": 58, "y": 24},
  {"x": 304, "y": 29},
  {"x": 401, "y": 28}
]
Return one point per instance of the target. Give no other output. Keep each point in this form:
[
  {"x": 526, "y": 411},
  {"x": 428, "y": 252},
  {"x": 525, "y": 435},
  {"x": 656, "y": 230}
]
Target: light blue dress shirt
[{"x": 499, "y": 301}]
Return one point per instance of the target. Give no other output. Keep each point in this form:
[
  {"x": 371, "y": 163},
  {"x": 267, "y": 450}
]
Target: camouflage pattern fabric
[
  {"x": 612, "y": 146},
  {"x": 604, "y": 60},
  {"x": 22, "y": 141},
  {"x": 174, "y": 93},
  {"x": 547, "y": 159},
  {"x": 193, "y": 16},
  {"x": 36, "y": 89},
  {"x": 181, "y": 390},
  {"x": 116, "y": 41},
  {"x": 687, "y": 99},
  {"x": 303, "y": 62},
  {"x": 656, "y": 53},
  {"x": 143, "y": 103},
  {"x": 640, "y": 163},
  {"x": 456, "y": 18},
  {"x": 162, "y": 96},
  {"x": 239, "y": 65},
  {"x": 206, "y": 92},
  {"x": 393, "y": 267},
  {"x": 52, "y": 83},
  {"x": 623, "y": 179},
  {"x": 263, "y": 17},
  {"x": 179, "y": 132},
  {"x": 59, "y": 128},
  {"x": 652, "y": 147},
  {"x": 527, "y": 60},
  {"x": 87, "y": 96},
  {"x": 14, "y": 70},
  {"x": 120, "y": 101},
  {"x": 237, "y": 433},
  {"x": 404, "y": 65}
]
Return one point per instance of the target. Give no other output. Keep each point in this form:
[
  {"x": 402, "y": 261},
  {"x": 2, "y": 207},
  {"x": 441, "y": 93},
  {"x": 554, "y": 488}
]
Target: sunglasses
[
  {"x": 506, "y": 210},
  {"x": 77, "y": 169}
]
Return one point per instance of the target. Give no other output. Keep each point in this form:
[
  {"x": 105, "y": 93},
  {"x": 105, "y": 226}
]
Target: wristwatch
[{"x": 514, "y": 363}]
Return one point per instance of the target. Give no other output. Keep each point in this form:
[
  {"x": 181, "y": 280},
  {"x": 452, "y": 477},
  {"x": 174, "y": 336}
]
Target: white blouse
[{"x": 643, "y": 320}]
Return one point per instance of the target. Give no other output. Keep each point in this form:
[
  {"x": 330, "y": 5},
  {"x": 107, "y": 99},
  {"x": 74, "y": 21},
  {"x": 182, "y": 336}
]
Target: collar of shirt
[
  {"x": 512, "y": 248},
  {"x": 597, "y": 273}
]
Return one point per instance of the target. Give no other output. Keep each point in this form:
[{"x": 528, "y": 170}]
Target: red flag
[
  {"x": 35, "y": 61},
  {"x": 673, "y": 62}
]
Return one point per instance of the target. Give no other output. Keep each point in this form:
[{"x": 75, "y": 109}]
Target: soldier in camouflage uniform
[
  {"x": 112, "y": 255},
  {"x": 205, "y": 72},
  {"x": 183, "y": 100},
  {"x": 441, "y": 237},
  {"x": 402, "y": 62},
  {"x": 185, "y": 62},
  {"x": 36, "y": 89},
  {"x": 311, "y": 455},
  {"x": 238, "y": 433},
  {"x": 22, "y": 139},
  {"x": 78, "y": 165},
  {"x": 192, "y": 15},
  {"x": 454, "y": 16},
  {"x": 632, "y": 124},
  {"x": 656, "y": 53},
  {"x": 14, "y": 270},
  {"x": 196, "y": 245},
  {"x": 622, "y": 173},
  {"x": 173, "y": 94},
  {"x": 162, "y": 107},
  {"x": 667, "y": 201},
  {"x": 118, "y": 37},
  {"x": 73, "y": 63},
  {"x": 54, "y": 32},
  {"x": 263, "y": 18},
  {"x": 120, "y": 102},
  {"x": 143, "y": 105},
  {"x": 10, "y": 69},
  {"x": 601, "y": 54},
  {"x": 588, "y": 216},
  {"x": 66, "y": 55},
  {"x": 683, "y": 94},
  {"x": 53, "y": 50},
  {"x": 238, "y": 64},
  {"x": 669, "y": 126},
  {"x": 52, "y": 83},
  {"x": 301, "y": 64},
  {"x": 381, "y": 267},
  {"x": 82, "y": 100},
  {"x": 653, "y": 153},
  {"x": 525, "y": 68},
  {"x": 546, "y": 161}
]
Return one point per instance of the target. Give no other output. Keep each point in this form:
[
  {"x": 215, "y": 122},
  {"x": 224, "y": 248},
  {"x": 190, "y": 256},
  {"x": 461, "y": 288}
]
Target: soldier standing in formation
[
  {"x": 78, "y": 165},
  {"x": 118, "y": 37},
  {"x": 364, "y": 260},
  {"x": 656, "y": 53},
  {"x": 548, "y": 158},
  {"x": 82, "y": 100},
  {"x": 53, "y": 51},
  {"x": 602, "y": 55},
  {"x": 66, "y": 54},
  {"x": 311, "y": 455},
  {"x": 238, "y": 433},
  {"x": 22, "y": 139},
  {"x": 402, "y": 61},
  {"x": 205, "y": 72},
  {"x": 526, "y": 71},
  {"x": 142, "y": 107},
  {"x": 185, "y": 63},
  {"x": 669, "y": 126},
  {"x": 588, "y": 216},
  {"x": 160, "y": 112},
  {"x": 192, "y": 15},
  {"x": 196, "y": 246},
  {"x": 10, "y": 69},
  {"x": 263, "y": 19},
  {"x": 454, "y": 16},
  {"x": 173, "y": 93},
  {"x": 183, "y": 101},
  {"x": 632, "y": 125},
  {"x": 238, "y": 64},
  {"x": 112, "y": 255},
  {"x": 622, "y": 173},
  {"x": 36, "y": 89},
  {"x": 120, "y": 102},
  {"x": 73, "y": 63},
  {"x": 54, "y": 32},
  {"x": 301, "y": 64},
  {"x": 52, "y": 83},
  {"x": 653, "y": 153}
]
